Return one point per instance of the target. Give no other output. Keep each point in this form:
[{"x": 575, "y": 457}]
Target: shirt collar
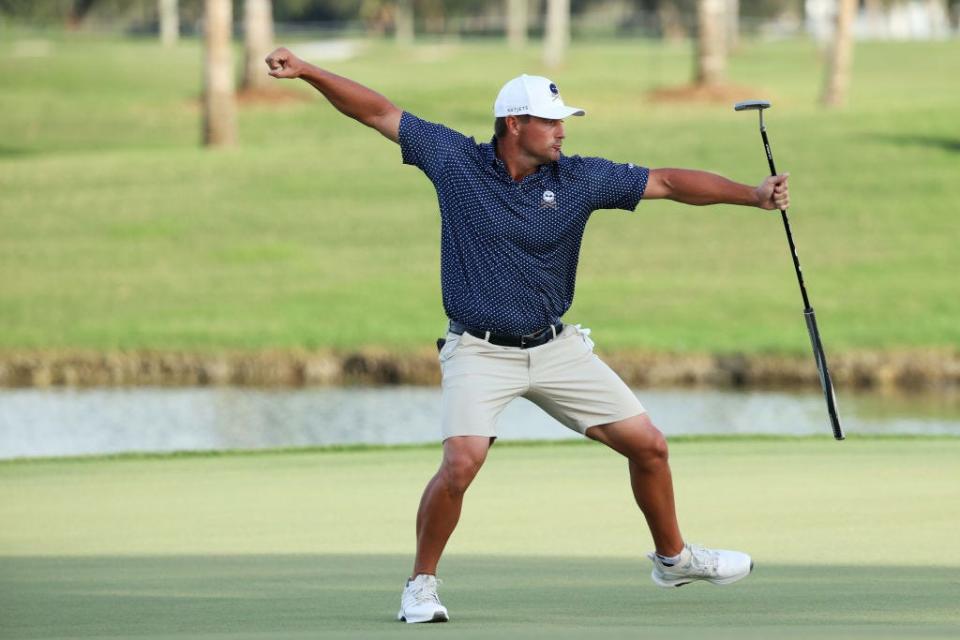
[{"x": 500, "y": 167}]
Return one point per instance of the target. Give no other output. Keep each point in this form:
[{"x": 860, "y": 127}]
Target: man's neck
[{"x": 519, "y": 165}]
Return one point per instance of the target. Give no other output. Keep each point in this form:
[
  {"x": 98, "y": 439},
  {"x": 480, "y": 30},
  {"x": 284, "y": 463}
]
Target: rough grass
[
  {"x": 851, "y": 540},
  {"x": 120, "y": 232}
]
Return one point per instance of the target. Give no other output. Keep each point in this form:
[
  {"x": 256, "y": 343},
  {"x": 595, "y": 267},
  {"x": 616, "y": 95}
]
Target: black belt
[{"x": 535, "y": 339}]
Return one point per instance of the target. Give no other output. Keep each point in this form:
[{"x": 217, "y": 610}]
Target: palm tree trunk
[
  {"x": 404, "y": 22},
  {"x": 517, "y": 23},
  {"x": 841, "y": 56},
  {"x": 711, "y": 42},
  {"x": 219, "y": 106},
  {"x": 169, "y": 22},
  {"x": 672, "y": 26},
  {"x": 557, "y": 37},
  {"x": 733, "y": 25},
  {"x": 257, "y": 43}
]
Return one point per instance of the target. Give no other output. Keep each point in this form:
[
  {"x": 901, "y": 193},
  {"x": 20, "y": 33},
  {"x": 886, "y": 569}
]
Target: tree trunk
[
  {"x": 517, "y": 23},
  {"x": 77, "y": 13},
  {"x": 219, "y": 106},
  {"x": 939, "y": 15},
  {"x": 672, "y": 27},
  {"x": 876, "y": 18},
  {"x": 257, "y": 43},
  {"x": 557, "y": 36},
  {"x": 733, "y": 25},
  {"x": 169, "y": 22},
  {"x": 841, "y": 55},
  {"x": 711, "y": 47},
  {"x": 403, "y": 21}
]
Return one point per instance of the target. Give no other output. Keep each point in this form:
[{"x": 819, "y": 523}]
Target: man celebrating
[{"x": 513, "y": 213}]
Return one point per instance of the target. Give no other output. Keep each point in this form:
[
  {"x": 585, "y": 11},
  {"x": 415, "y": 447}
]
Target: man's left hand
[{"x": 774, "y": 193}]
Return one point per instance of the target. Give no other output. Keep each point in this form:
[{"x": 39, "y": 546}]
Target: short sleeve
[
  {"x": 428, "y": 145},
  {"x": 615, "y": 185}
]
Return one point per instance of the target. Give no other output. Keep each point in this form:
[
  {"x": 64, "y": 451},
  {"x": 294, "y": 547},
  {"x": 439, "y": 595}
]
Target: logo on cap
[{"x": 555, "y": 91}]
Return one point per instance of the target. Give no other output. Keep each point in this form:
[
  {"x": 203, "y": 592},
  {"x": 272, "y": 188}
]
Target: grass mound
[{"x": 120, "y": 232}]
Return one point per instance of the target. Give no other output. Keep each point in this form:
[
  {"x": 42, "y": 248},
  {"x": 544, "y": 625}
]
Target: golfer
[{"x": 512, "y": 215}]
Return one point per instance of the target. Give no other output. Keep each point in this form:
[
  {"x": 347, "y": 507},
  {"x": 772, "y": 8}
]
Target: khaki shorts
[{"x": 563, "y": 377}]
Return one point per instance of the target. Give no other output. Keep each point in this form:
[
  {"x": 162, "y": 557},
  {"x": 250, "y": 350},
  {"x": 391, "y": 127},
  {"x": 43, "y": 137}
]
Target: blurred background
[
  {"x": 180, "y": 231},
  {"x": 514, "y": 19}
]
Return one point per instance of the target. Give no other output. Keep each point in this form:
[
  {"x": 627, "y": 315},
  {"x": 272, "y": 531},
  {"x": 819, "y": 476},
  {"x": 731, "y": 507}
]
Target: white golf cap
[{"x": 533, "y": 95}]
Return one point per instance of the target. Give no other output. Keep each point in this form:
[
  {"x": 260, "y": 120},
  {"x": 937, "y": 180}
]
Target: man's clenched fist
[
  {"x": 284, "y": 64},
  {"x": 774, "y": 192}
]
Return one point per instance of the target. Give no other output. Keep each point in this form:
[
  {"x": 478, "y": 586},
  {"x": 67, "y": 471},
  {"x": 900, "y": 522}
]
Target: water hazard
[{"x": 63, "y": 422}]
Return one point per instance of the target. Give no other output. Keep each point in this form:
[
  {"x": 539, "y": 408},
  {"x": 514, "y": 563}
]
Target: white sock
[{"x": 670, "y": 560}]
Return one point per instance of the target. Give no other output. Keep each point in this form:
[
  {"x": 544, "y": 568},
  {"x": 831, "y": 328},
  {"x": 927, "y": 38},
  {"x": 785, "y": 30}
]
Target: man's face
[{"x": 541, "y": 138}]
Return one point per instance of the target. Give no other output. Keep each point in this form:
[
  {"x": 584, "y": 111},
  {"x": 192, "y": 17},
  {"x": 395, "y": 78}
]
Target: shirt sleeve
[
  {"x": 615, "y": 185},
  {"x": 428, "y": 145}
]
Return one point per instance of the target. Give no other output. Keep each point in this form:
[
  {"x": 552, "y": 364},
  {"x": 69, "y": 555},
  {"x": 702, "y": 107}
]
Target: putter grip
[{"x": 825, "y": 383}]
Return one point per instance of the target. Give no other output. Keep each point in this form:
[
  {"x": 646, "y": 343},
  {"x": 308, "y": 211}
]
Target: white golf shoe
[
  {"x": 420, "y": 602},
  {"x": 699, "y": 563}
]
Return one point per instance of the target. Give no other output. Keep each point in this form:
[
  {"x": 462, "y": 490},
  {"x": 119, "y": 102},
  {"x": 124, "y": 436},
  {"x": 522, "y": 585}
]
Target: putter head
[{"x": 751, "y": 105}]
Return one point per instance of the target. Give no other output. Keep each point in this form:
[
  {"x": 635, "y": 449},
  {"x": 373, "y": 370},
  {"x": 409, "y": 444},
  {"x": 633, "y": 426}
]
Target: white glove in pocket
[
  {"x": 452, "y": 341},
  {"x": 584, "y": 335}
]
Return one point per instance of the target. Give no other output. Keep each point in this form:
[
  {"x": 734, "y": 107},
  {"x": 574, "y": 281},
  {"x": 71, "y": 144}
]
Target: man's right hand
[
  {"x": 283, "y": 64},
  {"x": 350, "y": 98}
]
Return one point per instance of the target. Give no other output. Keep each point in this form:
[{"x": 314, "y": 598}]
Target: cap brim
[{"x": 559, "y": 112}]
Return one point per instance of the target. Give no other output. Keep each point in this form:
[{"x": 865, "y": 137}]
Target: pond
[{"x": 68, "y": 422}]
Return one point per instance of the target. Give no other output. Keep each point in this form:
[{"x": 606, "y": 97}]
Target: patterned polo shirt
[{"x": 508, "y": 249}]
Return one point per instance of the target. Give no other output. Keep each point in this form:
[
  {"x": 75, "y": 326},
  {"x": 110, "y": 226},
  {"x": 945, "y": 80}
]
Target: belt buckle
[{"x": 531, "y": 338}]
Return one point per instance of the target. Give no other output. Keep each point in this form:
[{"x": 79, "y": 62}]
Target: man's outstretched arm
[
  {"x": 701, "y": 187},
  {"x": 350, "y": 98}
]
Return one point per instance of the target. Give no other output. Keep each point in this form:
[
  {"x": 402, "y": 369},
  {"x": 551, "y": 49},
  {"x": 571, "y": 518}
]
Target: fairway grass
[
  {"x": 120, "y": 232},
  {"x": 851, "y": 540}
]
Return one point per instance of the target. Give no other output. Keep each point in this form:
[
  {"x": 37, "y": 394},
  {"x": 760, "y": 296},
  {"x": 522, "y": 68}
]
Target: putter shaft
[{"x": 810, "y": 317}]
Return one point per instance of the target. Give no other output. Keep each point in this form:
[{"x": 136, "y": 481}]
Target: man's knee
[
  {"x": 658, "y": 445},
  {"x": 636, "y": 438},
  {"x": 651, "y": 445},
  {"x": 458, "y": 472},
  {"x": 460, "y": 466}
]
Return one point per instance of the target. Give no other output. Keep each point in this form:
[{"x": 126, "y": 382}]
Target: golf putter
[{"x": 825, "y": 383}]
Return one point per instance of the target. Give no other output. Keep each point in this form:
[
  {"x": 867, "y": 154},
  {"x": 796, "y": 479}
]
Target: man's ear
[{"x": 513, "y": 125}]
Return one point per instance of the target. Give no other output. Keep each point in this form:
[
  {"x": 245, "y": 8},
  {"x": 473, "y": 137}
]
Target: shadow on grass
[
  {"x": 356, "y": 596},
  {"x": 15, "y": 152},
  {"x": 944, "y": 143}
]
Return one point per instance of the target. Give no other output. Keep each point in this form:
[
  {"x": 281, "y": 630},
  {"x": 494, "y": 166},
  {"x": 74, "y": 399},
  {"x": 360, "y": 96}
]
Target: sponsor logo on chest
[{"x": 549, "y": 200}]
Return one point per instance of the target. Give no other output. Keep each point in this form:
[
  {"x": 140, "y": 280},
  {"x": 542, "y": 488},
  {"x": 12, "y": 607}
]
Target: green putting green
[{"x": 851, "y": 540}]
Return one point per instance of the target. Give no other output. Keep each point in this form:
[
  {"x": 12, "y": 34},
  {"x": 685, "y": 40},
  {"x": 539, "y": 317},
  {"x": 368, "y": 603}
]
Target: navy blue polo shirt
[{"x": 509, "y": 250}]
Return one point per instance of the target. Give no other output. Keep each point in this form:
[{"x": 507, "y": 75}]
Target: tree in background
[
  {"x": 517, "y": 23},
  {"x": 219, "y": 103},
  {"x": 322, "y": 10},
  {"x": 711, "y": 56},
  {"x": 557, "y": 36},
  {"x": 841, "y": 54},
  {"x": 169, "y": 22},
  {"x": 733, "y": 25},
  {"x": 78, "y": 10},
  {"x": 257, "y": 43},
  {"x": 673, "y": 28},
  {"x": 403, "y": 22}
]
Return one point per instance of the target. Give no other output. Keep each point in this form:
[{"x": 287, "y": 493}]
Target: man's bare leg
[
  {"x": 443, "y": 498},
  {"x": 646, "y": 450}
]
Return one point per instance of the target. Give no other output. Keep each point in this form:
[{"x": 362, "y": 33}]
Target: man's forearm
[
  {"x": 702, "y": 188},
  {"x": 350, "y": 98}
]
